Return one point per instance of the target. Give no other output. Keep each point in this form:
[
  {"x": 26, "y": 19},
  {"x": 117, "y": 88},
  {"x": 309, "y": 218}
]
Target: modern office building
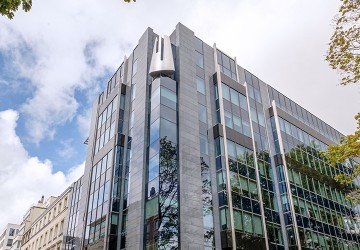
[
  {"x": 188, "y": 150},
  {"x": 8, "y": 235},
  {"x": 72, "y": 231}
]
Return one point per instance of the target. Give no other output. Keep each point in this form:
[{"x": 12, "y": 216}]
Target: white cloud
[
  {"x": 72, "y": 43},
  {"x": 66, "y": 150},
  {"x": 83, "y": 123},
  {"x": 65, "y": 46},
  {"x": 23, "y": 178}
]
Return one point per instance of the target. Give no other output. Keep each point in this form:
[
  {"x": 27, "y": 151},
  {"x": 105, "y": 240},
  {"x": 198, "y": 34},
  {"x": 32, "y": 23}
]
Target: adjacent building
[
  {"x": 188, "y": 150},
  {"x": 46, "y": 230},
  {"x": 73, "y": 229},
  {"x": 8, "y": 235}
]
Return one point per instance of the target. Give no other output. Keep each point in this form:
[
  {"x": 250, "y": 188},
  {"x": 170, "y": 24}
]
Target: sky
[{"x": 55, "y": 60}]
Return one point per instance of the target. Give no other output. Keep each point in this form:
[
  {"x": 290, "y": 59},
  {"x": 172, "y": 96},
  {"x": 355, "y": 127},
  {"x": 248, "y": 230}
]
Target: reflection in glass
[{"x": 162, "y": 208}]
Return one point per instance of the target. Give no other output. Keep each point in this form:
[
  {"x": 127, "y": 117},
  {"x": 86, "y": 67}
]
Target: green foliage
[
  {"x": 344, "y": 50},
  {"x": 299, "y": 167},
  {"x": 8, "y": 7},
  {"x": 348, "y": 148}
]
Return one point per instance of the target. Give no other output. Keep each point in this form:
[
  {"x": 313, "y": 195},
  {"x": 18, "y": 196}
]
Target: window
[
  {"x": 50, "y": 235},
  {"x": 153, "y": 168},
  {"x": 228, "y": 119},
  {"x": 200, "y": 85},
  {"x": 11, "y": 232},
  {"x": 234, "y": 97},
  {"x": 204, "y": 148},
  {"x": 168, "y": 130},
  {"x": 225, "y": 92},
  {"x": 199, "y": 59},
  {"x": 56, "y": 231},
  {"x": 237, "y": 124},
  {"x": 134, "y": 68},
  {"x": 248, "y": 227},
  {"x": 9, "y": 242},
  {"x": 168, "y": 98},
  {"x": 202, "y": 113},
  {"x": 238, "y": 220},
  {"x": 46, "y": 238},
  {"x": 154, "y": 131}
]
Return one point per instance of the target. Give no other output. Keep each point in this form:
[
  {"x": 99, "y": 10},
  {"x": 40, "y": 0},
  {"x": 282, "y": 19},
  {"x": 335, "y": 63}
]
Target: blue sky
[{"x": 55, "y": 60}]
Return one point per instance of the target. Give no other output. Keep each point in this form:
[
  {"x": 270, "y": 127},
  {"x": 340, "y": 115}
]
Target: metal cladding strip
[
  {"x": 276, "y": 181},
  {"x": 222, "y": 119},
  {"x": 282, "y": 152},
  {"x": 162, "y": 61},
  {"x": 257, "y": 172}
]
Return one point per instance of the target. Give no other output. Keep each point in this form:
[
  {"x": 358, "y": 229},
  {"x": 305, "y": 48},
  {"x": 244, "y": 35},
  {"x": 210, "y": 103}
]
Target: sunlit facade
[{"x": 206, "y": 156}]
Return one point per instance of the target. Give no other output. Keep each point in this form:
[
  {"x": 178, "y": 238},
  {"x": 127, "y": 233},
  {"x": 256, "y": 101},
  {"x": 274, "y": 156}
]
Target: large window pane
[
  {"x": 152, "y": 208},
  {"x": 199, "y": 59},
  {"x": 225, "y": 61},
  {"x": 254, "y": 115},
  {"x": 153, "y": 188},
  {"x": 224, "y": 219},
  {"x": 248, "y": 227},
  {"x": 155, "y": 98},
  {"x": 231, "y": 149},
  {"x": 234, "y": 97},
  {"x": 168, "y": 98},
  {"x": 168, "y": 130},
  {"x": 257, "y": 225},
  {"x": 153, "y": 167},
  {"x": 202, "y": 113},
  {"x": 200, "y": 85},
  {"x": 237, "y": 124},
  {"x": 243, "y": 102},
  {"x": 154, "y": 131},
  {"x": 246, "y": 128},
  {"x": 225, "y": 91},
  {"x": 228, "y": 119},
  {"x": 204, "y": 148},
  {"x": 238, "y": 220}
]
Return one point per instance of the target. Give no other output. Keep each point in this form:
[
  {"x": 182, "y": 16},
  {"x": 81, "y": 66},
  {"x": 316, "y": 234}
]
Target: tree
[
  {"x": 344, "y": 50},
  {"x": 9, "y": 7},
  {"x": 344, "y": 55},
  {"x": 348, "y": 148}
]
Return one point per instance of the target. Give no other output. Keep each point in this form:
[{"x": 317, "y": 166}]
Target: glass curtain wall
[
  {"x": 324, "y": 218},
  {"x": 267, "y": 181},
  {"x": 249, "y": 231},
  {"x": 162, "y": 206}
]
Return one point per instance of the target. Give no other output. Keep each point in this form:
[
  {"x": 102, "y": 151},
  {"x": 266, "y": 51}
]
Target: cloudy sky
[{"x": 56, "y": 58}]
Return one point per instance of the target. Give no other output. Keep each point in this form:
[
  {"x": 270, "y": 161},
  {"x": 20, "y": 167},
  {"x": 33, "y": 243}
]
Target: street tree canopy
[
  {"x": 349, "y": 148},
  {"x": 344, "y": 50},
  {"x": 344, "y": 55},
  {"x": 9, "y": 7}
]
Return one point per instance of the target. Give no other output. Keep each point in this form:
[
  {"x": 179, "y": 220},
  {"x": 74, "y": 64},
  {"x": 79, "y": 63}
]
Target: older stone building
[{"x": 46, "y": 230}]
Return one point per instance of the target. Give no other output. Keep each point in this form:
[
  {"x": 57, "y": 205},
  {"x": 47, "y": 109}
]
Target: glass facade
[
  {"x": 255, "y": 175},
  {"x": 161, "y": 194},
  {"x": 72, "y": 239}
]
